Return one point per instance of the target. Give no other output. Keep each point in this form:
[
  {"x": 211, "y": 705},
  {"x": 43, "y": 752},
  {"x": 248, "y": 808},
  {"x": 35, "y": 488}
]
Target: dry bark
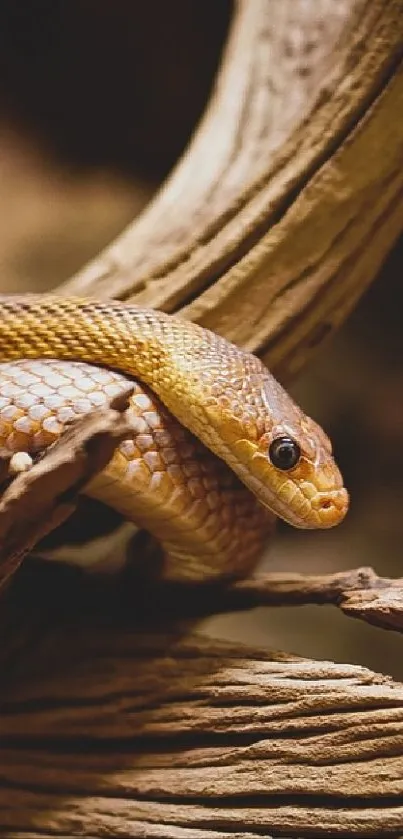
[
  {"x": 39, "y": 500},
  {"x": 289, "y": 196},
  {"x": 116, "y": 732},
  {"x": 359, "y": 593},
  {"x": 268, "y": 231}
]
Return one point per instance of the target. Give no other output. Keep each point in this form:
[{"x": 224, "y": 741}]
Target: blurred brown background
[{"x": 97, "y": 101}]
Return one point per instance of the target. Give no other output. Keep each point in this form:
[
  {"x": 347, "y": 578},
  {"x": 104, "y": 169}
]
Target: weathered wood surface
[
  {"x": 290, "y": 194},
  {"x": 359, "y": 593},
  {"x": 268, "y": 231},
  {"x": 114, "y": 732}
]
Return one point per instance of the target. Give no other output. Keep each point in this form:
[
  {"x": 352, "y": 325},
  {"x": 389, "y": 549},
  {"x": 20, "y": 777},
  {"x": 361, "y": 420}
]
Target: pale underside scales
[{"x": 163, "y": 478}]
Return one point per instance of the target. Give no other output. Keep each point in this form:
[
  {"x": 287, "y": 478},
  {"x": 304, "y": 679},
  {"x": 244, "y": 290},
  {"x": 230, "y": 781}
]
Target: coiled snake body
[{"x": 218, "y": 443}]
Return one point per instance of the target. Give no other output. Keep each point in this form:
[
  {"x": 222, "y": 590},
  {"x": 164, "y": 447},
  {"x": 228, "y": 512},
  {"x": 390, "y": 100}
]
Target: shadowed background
[{"x": 97, "y": 101}]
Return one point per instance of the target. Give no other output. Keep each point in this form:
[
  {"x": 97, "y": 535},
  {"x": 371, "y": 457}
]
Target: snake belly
[{"x": 197, "y": 469}]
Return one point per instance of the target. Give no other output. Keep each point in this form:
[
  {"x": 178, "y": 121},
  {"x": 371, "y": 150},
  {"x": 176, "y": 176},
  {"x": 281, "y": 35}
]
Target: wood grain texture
[
  {"x": 268, "y": 231},
  {"x": 289, "y": 196},
  {"x": 113, "y": 732}
]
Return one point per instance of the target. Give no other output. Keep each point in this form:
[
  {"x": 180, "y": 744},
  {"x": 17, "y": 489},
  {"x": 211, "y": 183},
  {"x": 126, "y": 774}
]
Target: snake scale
[{"x": 219, "y": 446}]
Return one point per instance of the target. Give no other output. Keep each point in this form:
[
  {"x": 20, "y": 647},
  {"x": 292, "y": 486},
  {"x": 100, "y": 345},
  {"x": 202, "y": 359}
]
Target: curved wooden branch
[
  {"x": 123, "y": 733},
  {"x": 271, "y": 227},
  {"x": 289, "y": 197}
]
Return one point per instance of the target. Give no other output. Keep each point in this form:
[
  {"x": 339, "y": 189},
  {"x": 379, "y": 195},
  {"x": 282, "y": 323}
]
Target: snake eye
[{"x": 284, "y": 453}]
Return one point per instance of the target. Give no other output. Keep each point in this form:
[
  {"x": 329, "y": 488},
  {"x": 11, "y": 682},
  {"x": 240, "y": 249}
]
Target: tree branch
[
  {"x": 359, "y": 593},
  {"x": 288, "y": 152},
  {"x": 112, "y": 732},
  {"x": 39, "y": 500},
  {"x": 271, "y": 227}
]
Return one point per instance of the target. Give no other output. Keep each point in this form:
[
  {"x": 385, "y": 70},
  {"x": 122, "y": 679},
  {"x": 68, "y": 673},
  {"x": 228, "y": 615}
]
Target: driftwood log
[{"x": 115, "y": 719}]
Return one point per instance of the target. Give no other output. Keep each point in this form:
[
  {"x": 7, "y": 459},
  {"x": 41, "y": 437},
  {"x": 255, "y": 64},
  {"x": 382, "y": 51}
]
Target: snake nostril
[{"x": 326, "y": 504}]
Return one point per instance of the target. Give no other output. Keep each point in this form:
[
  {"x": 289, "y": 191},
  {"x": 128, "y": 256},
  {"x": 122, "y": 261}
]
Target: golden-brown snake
[{"x": 218, "y": 442}]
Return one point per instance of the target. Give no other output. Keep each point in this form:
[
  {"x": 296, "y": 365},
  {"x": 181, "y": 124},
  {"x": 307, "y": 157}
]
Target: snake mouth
[
  {"x": 303, "y": 510},
  {"x": 324, "y": 511},
  {"x": 298, "y": 502},
  {"x": 327, "y": 509}
]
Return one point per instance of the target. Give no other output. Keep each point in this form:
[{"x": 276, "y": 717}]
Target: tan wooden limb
[
  {"x": 268, "y": 231},
  {"x": 113, "y": 732},
  {"x": 289, "y": 196}
]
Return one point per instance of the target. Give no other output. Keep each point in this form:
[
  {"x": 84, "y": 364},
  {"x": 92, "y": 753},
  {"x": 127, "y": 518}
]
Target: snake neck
[
  {"x": 196, "y": 374},
  {"x": 223, "y": 395}
]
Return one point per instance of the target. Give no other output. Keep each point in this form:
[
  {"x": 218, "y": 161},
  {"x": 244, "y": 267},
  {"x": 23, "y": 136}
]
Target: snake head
[
  {"x": 301, "y": 482},
  {"x": 283, "y": 456}
]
